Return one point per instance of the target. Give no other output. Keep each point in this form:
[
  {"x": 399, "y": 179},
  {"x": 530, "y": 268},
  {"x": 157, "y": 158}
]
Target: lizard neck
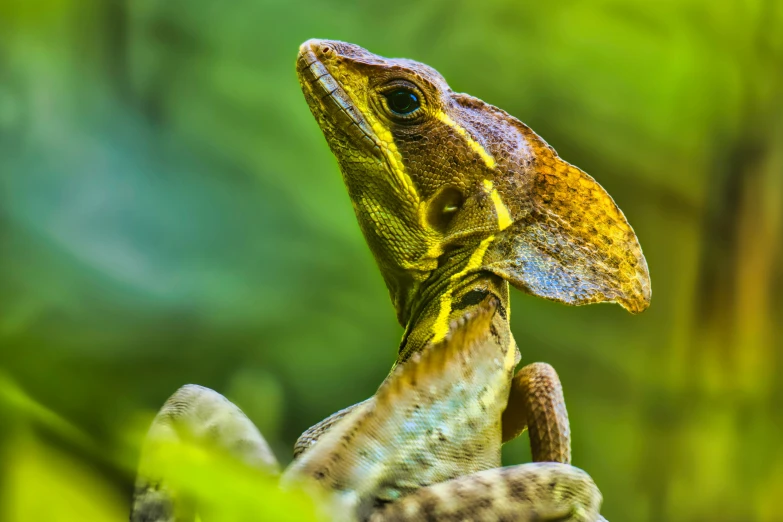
[{"x": 452, "y": 290}]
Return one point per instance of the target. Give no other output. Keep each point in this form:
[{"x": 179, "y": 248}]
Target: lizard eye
[{"x": 402, "y": 101}]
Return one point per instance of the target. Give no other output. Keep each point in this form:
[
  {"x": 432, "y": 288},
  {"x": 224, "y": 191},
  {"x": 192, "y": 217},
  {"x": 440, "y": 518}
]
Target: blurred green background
[{"x": 170, "y": 214}]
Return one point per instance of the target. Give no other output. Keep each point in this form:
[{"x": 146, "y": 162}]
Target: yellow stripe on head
[
  {"x": 489, "y": 161},
  {"x": 501, "y": 210},
  {"x": 394, "y": 160}
]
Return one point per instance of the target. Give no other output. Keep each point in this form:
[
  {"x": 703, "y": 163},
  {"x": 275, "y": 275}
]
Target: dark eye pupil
[{"x": 403, "y": 101}]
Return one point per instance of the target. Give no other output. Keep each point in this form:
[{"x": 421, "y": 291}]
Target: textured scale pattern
[
  {"x": 568, "y": 240},
  {"x": 573, "y": 244},
  {"x": 536, "y": 402},
  {"x": 526, "y": 493},
  {"x": 456, "y": 199},
  {"x": 311, "y": 436},
  {"x": 436, "y": 417}
]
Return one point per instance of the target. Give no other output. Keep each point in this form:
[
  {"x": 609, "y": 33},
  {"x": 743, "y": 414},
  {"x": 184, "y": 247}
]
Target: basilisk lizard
[{"x": 456, "y": 199}]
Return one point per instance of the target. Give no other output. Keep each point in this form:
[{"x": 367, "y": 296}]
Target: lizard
[{"x": 457, "y": 200}]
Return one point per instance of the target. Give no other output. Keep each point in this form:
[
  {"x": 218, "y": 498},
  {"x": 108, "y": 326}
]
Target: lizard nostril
[{"x": 326, "y": 49}]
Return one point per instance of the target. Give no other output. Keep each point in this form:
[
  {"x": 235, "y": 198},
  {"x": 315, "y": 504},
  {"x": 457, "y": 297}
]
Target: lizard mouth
[{"x": 328, "y": 100}]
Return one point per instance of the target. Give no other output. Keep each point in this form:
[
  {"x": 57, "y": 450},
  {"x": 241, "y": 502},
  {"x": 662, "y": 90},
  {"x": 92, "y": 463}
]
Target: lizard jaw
[{"x": 328, "y": 101}]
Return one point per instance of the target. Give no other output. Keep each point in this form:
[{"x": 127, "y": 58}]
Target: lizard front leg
[
  {"x": 549, "y": 489},
  {"x": 199, "y": 416},
  {"x": 536, "y": 403}
]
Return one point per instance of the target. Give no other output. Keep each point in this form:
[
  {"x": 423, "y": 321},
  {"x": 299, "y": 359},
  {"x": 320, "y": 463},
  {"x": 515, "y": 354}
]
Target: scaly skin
[
  {"x": 432, "y": 431},
  {"x": 437, "y": 418},
  {"x": 454, "y": 174},
  {"x": 456, "y": 200}
]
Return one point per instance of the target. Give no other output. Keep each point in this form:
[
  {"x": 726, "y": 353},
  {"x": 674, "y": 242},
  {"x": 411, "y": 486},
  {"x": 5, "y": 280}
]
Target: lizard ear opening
[
  {"x": 572, "y": 243},
  {"x": 443, "y": 207}
]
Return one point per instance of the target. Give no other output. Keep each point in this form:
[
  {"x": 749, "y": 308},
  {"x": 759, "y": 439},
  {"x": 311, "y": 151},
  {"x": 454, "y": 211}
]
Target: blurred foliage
[{"x": 170, "y": 213}]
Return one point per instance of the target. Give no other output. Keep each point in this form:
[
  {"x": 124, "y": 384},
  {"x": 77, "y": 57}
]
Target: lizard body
[{"x": 456, "y": 200}]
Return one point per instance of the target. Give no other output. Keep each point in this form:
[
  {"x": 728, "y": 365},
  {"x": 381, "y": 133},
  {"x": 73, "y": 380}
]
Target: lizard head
[{"x": 431, "y": 172}]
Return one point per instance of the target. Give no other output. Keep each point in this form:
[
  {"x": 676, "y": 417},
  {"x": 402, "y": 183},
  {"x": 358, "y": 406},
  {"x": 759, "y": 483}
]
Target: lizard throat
[{"x": 451, "y": 290}]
